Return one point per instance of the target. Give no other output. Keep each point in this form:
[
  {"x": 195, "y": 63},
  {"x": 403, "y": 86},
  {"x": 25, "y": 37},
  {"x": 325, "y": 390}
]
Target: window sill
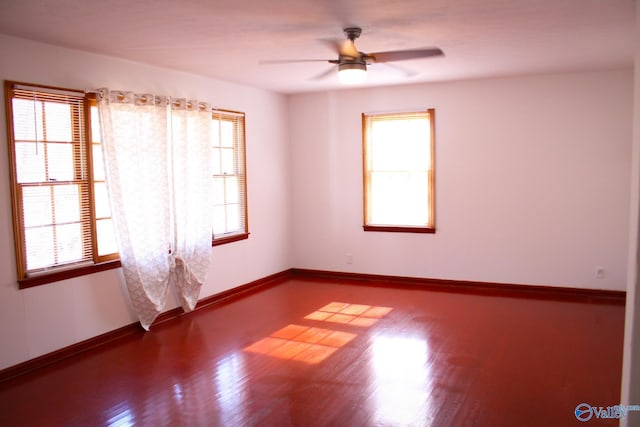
[
  {"x": 399, "y": 229},
  {"x": 229, "y": 239},
  {"x": 56, "y": 276}
]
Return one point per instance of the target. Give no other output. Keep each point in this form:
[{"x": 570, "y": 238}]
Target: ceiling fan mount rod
[{"x": 352, "y": 33}]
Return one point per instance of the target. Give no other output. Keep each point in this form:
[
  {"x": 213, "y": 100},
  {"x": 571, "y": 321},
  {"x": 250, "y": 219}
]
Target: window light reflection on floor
[
  {"x": 351, "y": 314},
  {"x": 312, "y": 344},
  {"x": 302, "y": 343},
  {"x": 231, "y": 389},
  {"x": 121, "y": 416},
  {"x": 402, "y": 380}
]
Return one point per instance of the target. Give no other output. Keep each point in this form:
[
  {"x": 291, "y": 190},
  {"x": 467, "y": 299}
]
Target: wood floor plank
[{"x": 322, "y": 353}]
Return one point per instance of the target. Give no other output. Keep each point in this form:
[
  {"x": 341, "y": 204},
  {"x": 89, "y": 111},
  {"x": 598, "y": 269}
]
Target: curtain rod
[{"x": 213, "y": 107}]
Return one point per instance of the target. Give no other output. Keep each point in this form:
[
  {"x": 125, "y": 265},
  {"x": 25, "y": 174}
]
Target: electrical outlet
[
  {"x": 599, "y": 272},
  {"x": 349, "y": 259}
]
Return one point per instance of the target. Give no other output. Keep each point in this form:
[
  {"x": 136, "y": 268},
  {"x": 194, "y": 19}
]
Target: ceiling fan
[{"x": 352, "y": 64}]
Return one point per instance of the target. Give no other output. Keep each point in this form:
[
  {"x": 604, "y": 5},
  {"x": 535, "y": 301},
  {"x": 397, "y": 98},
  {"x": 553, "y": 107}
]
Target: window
[
  {"x": 230, "y": 205},
  {"x": 62, "y": 221},
  {"x": 398, "y": 152},
  {"x": 107, "y": 247}
]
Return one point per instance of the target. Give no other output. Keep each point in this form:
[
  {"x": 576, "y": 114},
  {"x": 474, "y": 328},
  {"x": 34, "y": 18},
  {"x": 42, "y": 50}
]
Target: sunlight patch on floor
[{"x": 313, "y": 345}]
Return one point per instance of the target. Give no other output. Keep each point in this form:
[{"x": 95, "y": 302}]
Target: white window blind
[
  {"x": 106, "y": 245},
  {"x": 51, "y": 144},
  {"x": 229, "y": 180}
]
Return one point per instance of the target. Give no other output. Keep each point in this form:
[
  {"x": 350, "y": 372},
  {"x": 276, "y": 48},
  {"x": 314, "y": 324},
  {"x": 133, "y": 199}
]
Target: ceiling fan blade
[
  {"x": 403, "y": 55},
  {"x": 342, "y": 47},
  {"x": 348, "y": 48},
  {"x": 393, "y": 69},
  {"x": 290, "y": 61},
  {"x": 324, "y": 74},
  {"x": 332, "y": 44}
]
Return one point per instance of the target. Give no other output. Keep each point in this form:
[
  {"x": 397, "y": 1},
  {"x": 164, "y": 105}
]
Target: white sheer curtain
[
  {"x": 192, "y": 156},
  {"x": 158, "y": 163}
]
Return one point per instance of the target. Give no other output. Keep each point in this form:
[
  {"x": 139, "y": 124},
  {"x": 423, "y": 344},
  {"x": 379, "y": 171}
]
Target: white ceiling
[{"x": 226, "y": 39}]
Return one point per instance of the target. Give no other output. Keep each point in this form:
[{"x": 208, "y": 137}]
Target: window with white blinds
[
  {"x": 398, "y": 150},
  {"x": 53, "y": 141},
  {"x": 105, "y": 245},
  {"x": 230, "y": 222}
]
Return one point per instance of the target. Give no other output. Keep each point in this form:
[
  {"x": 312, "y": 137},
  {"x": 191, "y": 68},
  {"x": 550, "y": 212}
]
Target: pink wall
[
  {"x": 42, "y": 319},
  {"x": 532, "y": 187},
  {"x": 532, "y": 180}
]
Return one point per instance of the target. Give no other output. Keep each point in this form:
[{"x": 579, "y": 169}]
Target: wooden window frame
[
  {"x": 92, "y": 102},
  {"x": 100, "y": 263},
  {"x": 234, "y": 237},
  {"x": 429, "y": 228}
]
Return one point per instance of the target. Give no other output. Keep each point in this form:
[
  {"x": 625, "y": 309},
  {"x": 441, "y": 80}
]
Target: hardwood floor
[{"x": 311, "y": 352}]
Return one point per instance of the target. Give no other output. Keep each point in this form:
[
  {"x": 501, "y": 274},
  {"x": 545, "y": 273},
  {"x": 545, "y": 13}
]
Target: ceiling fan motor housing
[{"x": 352, "y": 65}]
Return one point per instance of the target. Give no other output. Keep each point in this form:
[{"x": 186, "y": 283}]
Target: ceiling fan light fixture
[{"x": 352, "y": 73}]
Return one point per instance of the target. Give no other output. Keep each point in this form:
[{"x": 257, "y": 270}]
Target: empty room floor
[{"x": 312, "y": 352}]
